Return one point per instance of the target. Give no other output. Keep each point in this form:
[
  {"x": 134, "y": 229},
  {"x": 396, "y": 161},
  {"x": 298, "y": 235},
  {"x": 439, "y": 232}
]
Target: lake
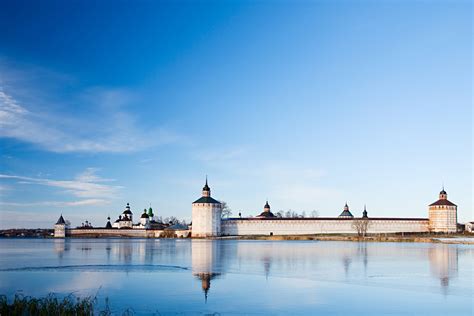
[{"x": 245, "y": 277}]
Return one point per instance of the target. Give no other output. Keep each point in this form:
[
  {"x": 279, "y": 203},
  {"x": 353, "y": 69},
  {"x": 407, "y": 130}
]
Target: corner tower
[
  {"x": 60, "y": 228},
  {"x": 206, "y": 215},
  {"x": 443, "y": 214}
]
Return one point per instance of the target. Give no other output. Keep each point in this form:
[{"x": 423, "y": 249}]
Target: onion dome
[
  {"x": 266, "y": 211},
  {"x": 144, "y": 215},
  {"x": 206, "y": 187},
  {"x": 443, "y": 200},
  {"x": 61, "y": 220},
  {"x": 443, "y": 195},
  {"x": 127, "y": 210},
  {"x": 206, "y": 196},
  {"x": 150, "y": 212},
  {"x": 108, "y": 225},
  {"x": 206, "y": 190}
]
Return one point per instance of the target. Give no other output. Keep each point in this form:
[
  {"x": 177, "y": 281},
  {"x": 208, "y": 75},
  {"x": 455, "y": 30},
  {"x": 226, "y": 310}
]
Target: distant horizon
[
  {"x": 306, "y": 104},
  {"x": 307, "y": 215}
]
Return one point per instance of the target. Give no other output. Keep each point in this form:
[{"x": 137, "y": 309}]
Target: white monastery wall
[
  {"x": 232, "y": 227},
  {"x": 143, "y": 233}
]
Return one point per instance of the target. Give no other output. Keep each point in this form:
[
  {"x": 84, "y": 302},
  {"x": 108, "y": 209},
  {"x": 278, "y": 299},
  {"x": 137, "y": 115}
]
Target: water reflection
[
  {"x": 210, "y": 260},
  {"x": 315, "y": 262},
  {"x": 205, "y": 262},
  {"x": 443, "y": 264}
]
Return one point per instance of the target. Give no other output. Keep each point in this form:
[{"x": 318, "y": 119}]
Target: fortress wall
[
  {"x": 142, "y": 233},
  {"x": 98, "y": 232},
  {"x": 232, "y": 227}
]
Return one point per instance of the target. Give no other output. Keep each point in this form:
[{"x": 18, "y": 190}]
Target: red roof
[{"x": 443, "y": 202}]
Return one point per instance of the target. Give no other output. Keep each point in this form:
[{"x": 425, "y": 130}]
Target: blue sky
[{"x": 309, "y": 104}]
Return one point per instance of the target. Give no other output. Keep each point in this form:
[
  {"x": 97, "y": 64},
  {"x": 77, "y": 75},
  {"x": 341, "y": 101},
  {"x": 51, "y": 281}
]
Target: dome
[
  {"x": 267, "y": 205},
  {"x": 443, "y": 192},
  {"x": 266, "y": 214},
  {"x": 127, "y": 210},
  {"x": 144, "y": 215}
]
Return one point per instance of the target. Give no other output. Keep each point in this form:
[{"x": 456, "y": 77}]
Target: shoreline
[
  {"x": 420, "y": 238},
  {"x": 445, "y": 239}
]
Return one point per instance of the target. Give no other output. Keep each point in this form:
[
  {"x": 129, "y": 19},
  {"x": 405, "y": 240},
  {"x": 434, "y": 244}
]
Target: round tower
[
  {"x": 443, "y": 215},
  {"x": 206, "y": 215}
]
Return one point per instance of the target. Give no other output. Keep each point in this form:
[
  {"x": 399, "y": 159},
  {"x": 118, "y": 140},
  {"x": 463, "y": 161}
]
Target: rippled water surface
[{"x": 245, "y": 277}]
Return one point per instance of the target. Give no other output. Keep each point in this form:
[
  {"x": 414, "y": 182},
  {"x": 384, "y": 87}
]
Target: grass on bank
[
  {"x": 50, "y": 306},
  {"x": 394, "y": 237}
]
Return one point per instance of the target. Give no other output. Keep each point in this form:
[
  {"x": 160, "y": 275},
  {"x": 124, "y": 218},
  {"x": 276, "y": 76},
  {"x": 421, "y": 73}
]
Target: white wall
[
  {"x": 206, "y": 219},
  {"x": 443, "y": 218},
  {"x": 232, "y": 227}
]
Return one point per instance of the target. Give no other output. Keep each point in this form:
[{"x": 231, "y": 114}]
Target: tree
[
  {"x": 226, "y": 211},
  {"x": 314, "y": 213},
  {"x": 172, "y": 220},
  {"x": 279, "y": 214},
  {"x": 361, "y": 225}
]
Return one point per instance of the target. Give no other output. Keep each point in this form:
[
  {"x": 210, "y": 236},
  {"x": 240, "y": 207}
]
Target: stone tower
[
  {"x": 206, "y": 215},
  {"x": 60, "y": 228},
  {"x": 443, "y": 215}
]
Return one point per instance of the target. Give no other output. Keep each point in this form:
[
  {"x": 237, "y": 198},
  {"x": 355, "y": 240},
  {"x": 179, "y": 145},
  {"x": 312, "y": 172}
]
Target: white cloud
[
  {"x": 89, "y": 120},
  {"x": 87, "y": 186},
  {"x": 86, "y": 202}
]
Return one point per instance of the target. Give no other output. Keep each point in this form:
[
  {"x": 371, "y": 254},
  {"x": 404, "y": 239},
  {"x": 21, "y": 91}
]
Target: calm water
[{"x": 245, "y": 277}]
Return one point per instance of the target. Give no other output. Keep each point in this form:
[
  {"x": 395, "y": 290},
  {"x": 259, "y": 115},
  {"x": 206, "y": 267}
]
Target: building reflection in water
[
  {"x": 443, "y": 263},
  {"x": 209, "y": 262},
  {"x": 61, "y": 245},
  {"x": 211, "y": 259},
  {"x": 206, "y": 262},
  {"x": 267, "y": 264}
]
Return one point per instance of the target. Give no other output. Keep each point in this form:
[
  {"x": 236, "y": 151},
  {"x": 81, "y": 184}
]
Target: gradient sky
[{"x": 307, "y": 103}]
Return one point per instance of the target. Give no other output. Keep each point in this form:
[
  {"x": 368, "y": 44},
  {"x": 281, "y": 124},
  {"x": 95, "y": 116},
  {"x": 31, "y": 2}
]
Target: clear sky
[{"x": 307, "y": 103}]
